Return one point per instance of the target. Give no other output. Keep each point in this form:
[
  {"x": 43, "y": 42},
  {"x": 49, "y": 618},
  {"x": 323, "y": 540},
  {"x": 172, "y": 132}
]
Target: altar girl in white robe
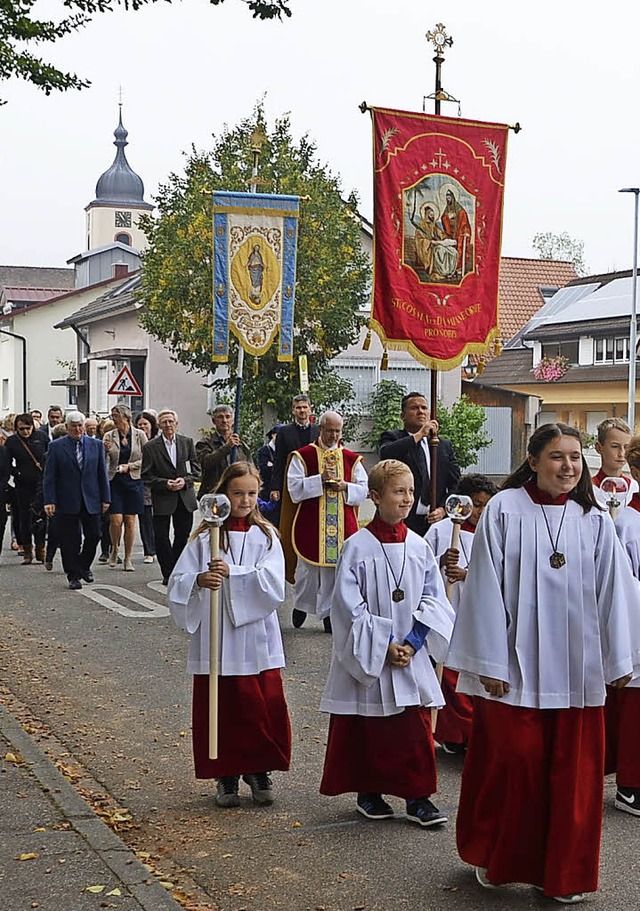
[
  {"x": 453, "y": 723},
  {"x": 389, "y": 614},
  {"x": 622, "y": 709},
  {"x": 253, "y": 725},
  {"x": 548, "y": 616}
]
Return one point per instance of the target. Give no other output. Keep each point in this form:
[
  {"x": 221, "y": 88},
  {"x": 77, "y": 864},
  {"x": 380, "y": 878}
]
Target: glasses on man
[{"x": 22, "y": 428}]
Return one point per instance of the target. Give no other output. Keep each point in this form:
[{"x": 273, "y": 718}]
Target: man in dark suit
[
  {"x": 290, "y": 437},
  {"x": 76, "y": 492},
  {"x": 169, "y": 468},
  {"x": 411, "y": 446},
  {"x": 54, "y": 417}
]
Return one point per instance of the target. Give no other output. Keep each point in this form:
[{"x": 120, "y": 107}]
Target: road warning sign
[{"x": 125, "y": 384}]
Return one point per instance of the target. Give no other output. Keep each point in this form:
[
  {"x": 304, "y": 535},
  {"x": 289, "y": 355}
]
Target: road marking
[
  {"x": 157, "y": 587},
  {"x": 151, "y": 608}
]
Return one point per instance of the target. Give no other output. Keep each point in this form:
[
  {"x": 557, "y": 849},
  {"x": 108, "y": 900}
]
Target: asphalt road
[{"x": 105, "y": 675}]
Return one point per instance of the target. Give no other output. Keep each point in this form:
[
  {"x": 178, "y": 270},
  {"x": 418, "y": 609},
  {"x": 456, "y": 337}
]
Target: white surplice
[
  {"x": 314, "y": 584},
  {"x": 555, "y": 635},
  {"x": 628, "y": 530},
  {"x": 439, "y": 540},
  {"x": 365, "y": 619},
  {"x": 250, "y": 639}
]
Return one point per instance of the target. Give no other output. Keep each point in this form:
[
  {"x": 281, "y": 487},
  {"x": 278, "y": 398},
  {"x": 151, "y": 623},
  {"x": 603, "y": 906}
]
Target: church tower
[{"x": 114, "y": 213}]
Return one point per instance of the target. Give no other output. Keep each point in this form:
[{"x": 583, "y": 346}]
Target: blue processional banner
[{"x": 254, "y": 244}]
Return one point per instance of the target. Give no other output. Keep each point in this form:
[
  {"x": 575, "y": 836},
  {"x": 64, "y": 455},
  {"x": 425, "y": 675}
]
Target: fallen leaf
[
  {"x": 297, "y": 825},
  {"x": 95, "y": 890},
  {"x": 12, "y": 757},
  {"x": 166, "y": 884},
  {"x": 40, "y": 829},
  {"x": 31, "y": 855},
  {"x": 114, "y": 892}
]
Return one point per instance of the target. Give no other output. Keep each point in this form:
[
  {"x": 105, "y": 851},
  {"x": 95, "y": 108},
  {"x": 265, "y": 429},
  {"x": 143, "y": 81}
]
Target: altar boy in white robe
[
  {"x": 622, "y": 709},
  {"x": 389, "y": 615},
  {"x": 453, "y": 725},
  {"x": 254, "y": 733},
  {"x": 548, "y": 616}
]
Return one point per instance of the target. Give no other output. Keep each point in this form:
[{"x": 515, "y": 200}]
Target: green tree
[
  {"x": 384, "y": 411},
  {"x": 20, "y": 31},
  {"x": 562, "y": 247},
  {"x": 333, "y": 271},
  {"x": 463, "y": 424}
]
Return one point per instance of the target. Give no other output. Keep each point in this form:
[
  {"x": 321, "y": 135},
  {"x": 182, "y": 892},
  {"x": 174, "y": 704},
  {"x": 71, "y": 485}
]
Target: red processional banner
[{"x": 438, "y": 192}]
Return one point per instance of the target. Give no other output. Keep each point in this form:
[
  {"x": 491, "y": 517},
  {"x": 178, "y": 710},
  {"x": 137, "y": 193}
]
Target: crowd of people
[{"x": 517, "y": 648}]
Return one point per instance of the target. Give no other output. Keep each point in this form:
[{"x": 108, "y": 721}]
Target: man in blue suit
[{"x": 76, "y": 491}]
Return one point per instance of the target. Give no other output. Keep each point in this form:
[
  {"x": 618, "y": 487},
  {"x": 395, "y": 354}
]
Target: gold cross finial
[{"x": 439, "y": 38}]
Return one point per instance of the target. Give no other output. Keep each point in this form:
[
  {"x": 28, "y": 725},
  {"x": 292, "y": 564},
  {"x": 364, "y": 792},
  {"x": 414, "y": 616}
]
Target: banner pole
[{"x": 433, "y": 437}]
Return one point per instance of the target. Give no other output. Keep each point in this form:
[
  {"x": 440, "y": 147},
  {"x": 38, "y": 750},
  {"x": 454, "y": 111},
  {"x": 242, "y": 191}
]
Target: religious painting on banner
[
  {"x": 255, "y": 242},
  {"x": 438, "y": 185}
]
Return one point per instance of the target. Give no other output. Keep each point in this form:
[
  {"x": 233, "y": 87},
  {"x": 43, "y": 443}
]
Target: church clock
[{"x": 123, "y": 219}]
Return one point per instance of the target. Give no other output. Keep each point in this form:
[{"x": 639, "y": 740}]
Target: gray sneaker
[
  {"x": 227, "y": 791},
  {"x": 261, "y": 787}
]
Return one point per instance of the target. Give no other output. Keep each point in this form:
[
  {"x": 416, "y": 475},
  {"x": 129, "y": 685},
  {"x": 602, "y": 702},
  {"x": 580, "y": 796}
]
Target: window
[
  {"x": 362, "y": 378},
  {"x": 123, "y": 239},
  {"x": 565, "y": 349},
  {"x": 5, "y": 394},
  {"x": 621, "y": 351},
  {"x": 102, "y": 399},
  {"x": 603, "y": 351}
]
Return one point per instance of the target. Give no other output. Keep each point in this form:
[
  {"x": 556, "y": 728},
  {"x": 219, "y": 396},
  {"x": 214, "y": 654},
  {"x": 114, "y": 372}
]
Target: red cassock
[
  {"x": 254, "y": 733},
  {"x": 552, "y": 841},
  {"x": 393, "y": 754},
  {"x": 622, "y": 727},
  {"x": 453, "y": 724}
]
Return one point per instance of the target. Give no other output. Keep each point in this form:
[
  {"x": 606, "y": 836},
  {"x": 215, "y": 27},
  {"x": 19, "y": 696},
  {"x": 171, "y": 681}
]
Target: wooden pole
[
  {"x": 455, "y": 543},
  {"x": 214, "y": 636}
]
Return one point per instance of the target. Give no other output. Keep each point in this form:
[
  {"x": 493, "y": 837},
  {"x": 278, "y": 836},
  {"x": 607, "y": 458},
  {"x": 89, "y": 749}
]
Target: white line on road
[{"x": 151, "y": 608}]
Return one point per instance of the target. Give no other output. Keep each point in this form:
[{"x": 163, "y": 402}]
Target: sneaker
[
  {"x": 227, "y": 792},
  {"x": 261, "y": 788},
  {"x": 628, "y": 800},
  {"x": 481, "y": 876},
  {"x": 373, "y": 806},
  {"x": 148, "y": 559},
  {"x": 298, "y": 617},
  {"x": 48, "y": 566},
  {"x": 75, "y": 585},
  {"x": 424, "y": 812},
  {"x": 453, "y": 749},
  {"x": 103, "y": 558},
  {"x": 326, "y": 623},
  {"x": 571, "y": 899}
]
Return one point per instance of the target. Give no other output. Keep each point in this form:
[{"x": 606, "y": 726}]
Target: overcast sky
[{"x": 568, "y": 71}]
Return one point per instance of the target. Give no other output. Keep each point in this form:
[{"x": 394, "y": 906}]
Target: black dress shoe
[
  {"x": 165, "y": 581},
  {"x": 327, "y": 625},
  {"x": 88, "y": 576},
  {"x": 75, "y": 584},
  {"x": 298, "y": 617}
]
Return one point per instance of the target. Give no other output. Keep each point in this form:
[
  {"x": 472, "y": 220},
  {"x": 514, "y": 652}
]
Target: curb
[{"x": 120, "y": 859}]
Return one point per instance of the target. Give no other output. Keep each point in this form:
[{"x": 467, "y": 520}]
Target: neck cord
[
  {"x": 554, "y": 544},
  {"x": 397, "y": 581},
  {"x": 235, "y": 562}
]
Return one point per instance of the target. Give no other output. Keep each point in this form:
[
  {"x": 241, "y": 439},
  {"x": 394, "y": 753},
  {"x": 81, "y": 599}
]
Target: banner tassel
[
  {"x": 367, "y": 341},
  {"x": 497, "y": 347},
  {"x": 384, "y": 363},
  {"x": 256, "y": 366}
]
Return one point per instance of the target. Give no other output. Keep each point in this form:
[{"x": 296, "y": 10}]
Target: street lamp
[{"x": 633, "y": 328}]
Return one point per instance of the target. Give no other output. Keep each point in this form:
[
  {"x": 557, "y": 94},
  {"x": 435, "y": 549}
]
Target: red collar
[
  {"x": 542, "y": 497},
  {"x": 634, "y": 502},
  {"x": 599, "y": 478},
  {"x": 385, "y": 533},
  {"x": 242, "y": 524},
  {"x": 467, "y": 526}
]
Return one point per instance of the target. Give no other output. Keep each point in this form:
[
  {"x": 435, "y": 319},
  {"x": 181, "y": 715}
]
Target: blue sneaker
[
  {"x": 373, "y": 806},
  {"x": 424, "y": 813}
]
